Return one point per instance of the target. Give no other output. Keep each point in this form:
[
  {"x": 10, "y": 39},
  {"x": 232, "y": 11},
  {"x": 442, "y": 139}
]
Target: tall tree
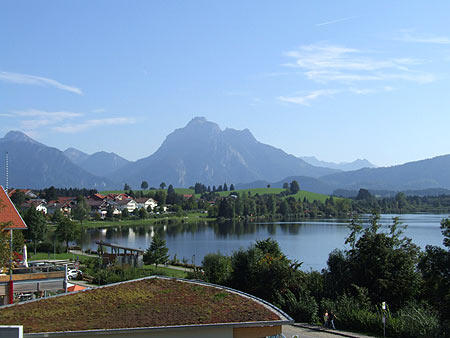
[
  {"x": 126, "y": 187},
  {"x": 171, "y": 195},
  {"x": 67, "y": 231},
  {"x": 435, "y": 268},
  {"x": 383, "y": 263},
  {"x": 157, "y": 253},
  {"x": 144, "y": 185},
  {"x": 162, "y": 185},
  {"x": 81, "y": 211},
  {"x": 36, "y": 224},
  {"x": 18, "y": 198},
  {"x": 294, "y": 188}
]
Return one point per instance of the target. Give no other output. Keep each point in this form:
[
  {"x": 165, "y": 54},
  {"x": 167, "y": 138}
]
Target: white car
[{"x": 74, "y": 274}]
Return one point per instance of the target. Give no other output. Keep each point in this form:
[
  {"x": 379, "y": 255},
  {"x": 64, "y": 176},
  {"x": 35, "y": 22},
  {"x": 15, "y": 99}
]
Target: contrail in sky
[{"x": 335, "y": 21}]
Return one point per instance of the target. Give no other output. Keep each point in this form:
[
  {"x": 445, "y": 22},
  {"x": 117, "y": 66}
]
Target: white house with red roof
[{"x": 146, "y": 202}]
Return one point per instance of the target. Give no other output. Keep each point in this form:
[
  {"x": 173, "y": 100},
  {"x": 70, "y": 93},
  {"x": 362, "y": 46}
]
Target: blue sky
[{"x": 339, "y": 80}]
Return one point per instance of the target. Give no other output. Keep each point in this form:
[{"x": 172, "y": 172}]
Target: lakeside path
[{"x": 312, "y": 331}]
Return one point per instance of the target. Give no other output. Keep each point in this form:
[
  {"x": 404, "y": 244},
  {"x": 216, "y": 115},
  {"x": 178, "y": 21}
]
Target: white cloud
[
  {"x": 322, "y": 57},
  {"x": 58, "y": 115},
  {"x": 345, "y": 67},
  {"x": 335, "y": 21},
  {"x": 41, "y": 118},
  {"x": 362, "y": 91},
  {"x": 75, "y": 128},
  {"x": 306, "y": 99},
  {"x": 37, "y": 81},
  {"x": 410, "y": 36}
]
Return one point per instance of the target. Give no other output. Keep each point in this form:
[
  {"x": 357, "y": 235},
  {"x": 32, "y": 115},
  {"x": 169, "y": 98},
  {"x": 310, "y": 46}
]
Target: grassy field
[
  {"x": 310, "y": 196},
  {"x": 151, "y": 269},
  {"x": 45, "y": 255},
  {"x": 162, "y": 270}
]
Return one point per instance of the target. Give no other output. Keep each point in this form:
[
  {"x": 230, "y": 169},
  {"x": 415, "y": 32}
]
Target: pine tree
[{"x": 157, "y": 253}]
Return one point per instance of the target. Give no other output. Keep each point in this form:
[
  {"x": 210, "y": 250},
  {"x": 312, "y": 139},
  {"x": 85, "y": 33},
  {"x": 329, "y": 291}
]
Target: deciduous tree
[
  {"x": 67, "y": 231},
  {"x": 81, "y": 211},
  {"x": 36, "y": 226}
]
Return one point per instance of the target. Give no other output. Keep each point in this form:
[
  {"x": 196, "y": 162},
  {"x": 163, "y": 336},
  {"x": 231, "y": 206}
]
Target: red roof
[
  {"x": 75, "y": 287},
  {"x": 8, "y": 213}
]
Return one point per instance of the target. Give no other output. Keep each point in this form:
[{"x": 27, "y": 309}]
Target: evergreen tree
[
  {"x": 157, "y": 253},
  {"x": 171, "y": 195},
  {"x": 231, "y": 187}
]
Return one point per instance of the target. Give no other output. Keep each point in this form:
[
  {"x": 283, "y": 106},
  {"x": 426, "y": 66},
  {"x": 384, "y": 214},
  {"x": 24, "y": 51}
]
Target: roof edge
[
  {"x": 18, "y": 213},
  {"x": 159, "y": 328}
]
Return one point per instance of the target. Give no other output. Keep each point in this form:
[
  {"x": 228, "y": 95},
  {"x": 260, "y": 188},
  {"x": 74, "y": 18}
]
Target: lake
[{"x": 308, "y": 241}]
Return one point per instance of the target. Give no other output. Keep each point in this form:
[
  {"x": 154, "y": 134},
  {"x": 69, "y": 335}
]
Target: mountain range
[
  {"x": 100, "y": 163},
  {"x": 344, "y": 166},
  {"x": 202, "y": 152},
  {"x": 35, "y": 165}
]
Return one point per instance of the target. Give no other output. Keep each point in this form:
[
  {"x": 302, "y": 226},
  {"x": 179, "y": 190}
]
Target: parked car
[{"x": 74, "y": 274}]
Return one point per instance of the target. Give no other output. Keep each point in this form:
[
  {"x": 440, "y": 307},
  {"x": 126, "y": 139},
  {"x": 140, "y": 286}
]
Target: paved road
[{"x": 310, "y": 331}]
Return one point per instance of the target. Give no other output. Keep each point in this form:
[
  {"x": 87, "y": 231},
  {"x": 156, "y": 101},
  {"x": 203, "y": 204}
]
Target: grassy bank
[{"x": 194, "y": 217}]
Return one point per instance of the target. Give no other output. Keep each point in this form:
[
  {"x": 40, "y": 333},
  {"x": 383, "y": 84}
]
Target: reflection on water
[{"x": 306, "y": 241}]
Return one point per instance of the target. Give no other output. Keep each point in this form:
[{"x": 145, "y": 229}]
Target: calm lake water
[{"x": 308, "y": 241}]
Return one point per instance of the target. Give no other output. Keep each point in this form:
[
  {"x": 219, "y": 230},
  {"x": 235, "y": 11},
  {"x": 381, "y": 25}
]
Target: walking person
[
  {"x": 325, "y": 319},
  {"x": 331, "y": 318}
]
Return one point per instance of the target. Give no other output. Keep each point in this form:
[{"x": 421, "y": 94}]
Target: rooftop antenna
[{"x": 7, "y": 173}]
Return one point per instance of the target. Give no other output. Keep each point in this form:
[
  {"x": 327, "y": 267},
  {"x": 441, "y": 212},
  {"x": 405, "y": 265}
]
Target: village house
[
  {"x": 27, "y": 192},
  {"x": 39, "y": 204},
  {"x": 97, "y": 207},
  {"x": 146, "y": 202},
  {"x": 129, "y": 204},
  {"x": 63, "y": 204}
]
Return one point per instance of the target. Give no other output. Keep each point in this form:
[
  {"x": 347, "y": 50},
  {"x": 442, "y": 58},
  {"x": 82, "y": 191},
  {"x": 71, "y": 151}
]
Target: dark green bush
[
  {"x": 302, "y": 307},
  {"x": 48, "y": 247}
]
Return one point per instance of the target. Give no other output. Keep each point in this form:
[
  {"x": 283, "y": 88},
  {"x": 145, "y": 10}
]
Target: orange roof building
[{"x": 9, "y": 214}]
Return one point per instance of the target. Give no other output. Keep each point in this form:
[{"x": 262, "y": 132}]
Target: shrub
[
  {"x": 302, "y": 308},
  {"x": 48, "y": 247}
]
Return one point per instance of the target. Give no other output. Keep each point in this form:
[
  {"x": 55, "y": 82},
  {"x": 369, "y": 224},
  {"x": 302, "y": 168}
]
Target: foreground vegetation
[{"x": 377, "y": 267}]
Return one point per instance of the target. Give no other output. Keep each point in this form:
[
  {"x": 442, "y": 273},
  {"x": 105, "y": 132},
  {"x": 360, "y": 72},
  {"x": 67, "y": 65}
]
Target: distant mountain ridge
[
  {"x": 202, "y": 152},
  {"x": 36, "y": 166},
  {"x": 100, "y": 163},
  {"x": 417, "y": 175},
  {"x": 344, "y": 166}
]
